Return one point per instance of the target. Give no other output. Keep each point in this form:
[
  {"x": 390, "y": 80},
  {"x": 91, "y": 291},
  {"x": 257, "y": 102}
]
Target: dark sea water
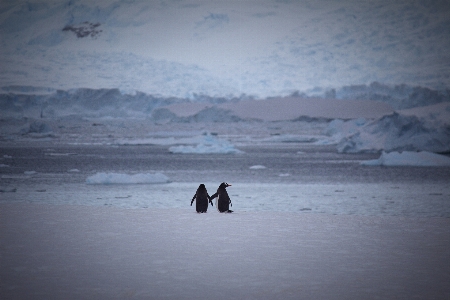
[{"x": 304, "y": 178}]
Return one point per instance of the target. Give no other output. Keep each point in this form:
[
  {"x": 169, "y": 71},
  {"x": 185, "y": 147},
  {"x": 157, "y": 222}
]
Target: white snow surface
[
  {"x": 226, "y": 48},
  {"x": 79, "y": 252},
  {"x": 408, "y": 158},
  {"x": 118, "y": 178}
]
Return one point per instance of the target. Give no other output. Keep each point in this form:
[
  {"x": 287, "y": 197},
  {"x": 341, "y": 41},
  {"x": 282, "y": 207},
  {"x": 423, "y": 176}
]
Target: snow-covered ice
[{"x": 73, "y": 252}]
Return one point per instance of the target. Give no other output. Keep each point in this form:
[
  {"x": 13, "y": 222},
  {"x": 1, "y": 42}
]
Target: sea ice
[
  {"x": 257, "y": 167},
  {"x": 408, "y": 158},
  {"x": 86, "y": 252},
  {"x": 117, "y": 178}
]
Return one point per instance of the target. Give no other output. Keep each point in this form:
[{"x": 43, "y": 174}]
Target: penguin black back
[
  {"x": 201, "y": 206},
  {"x": 223, "y": 201}
]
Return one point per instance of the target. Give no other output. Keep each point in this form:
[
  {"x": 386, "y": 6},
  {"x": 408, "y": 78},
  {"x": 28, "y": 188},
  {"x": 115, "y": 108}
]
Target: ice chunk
[
  {"x": 209, "y": 145},
  {"x": 118, "y": 178},
  {"x": 407, "y": 158},
  {"x": 257, "y": 167},
  {"x": 399, "y": 132}
]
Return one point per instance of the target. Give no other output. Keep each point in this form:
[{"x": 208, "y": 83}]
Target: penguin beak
[{"x": 228, "y": 185}]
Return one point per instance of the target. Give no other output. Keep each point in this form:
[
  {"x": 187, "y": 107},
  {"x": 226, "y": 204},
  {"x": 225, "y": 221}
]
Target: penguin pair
[{"x": 223, "y": 201}]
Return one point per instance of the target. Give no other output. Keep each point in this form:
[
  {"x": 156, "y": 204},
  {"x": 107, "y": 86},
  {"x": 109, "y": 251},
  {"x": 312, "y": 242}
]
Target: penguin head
[
  {"x": 202, "y": 187},
  {"x": 224, "y": 185}
]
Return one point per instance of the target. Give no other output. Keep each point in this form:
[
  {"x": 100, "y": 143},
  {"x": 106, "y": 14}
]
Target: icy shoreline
[{"x": 73, "y": 252}]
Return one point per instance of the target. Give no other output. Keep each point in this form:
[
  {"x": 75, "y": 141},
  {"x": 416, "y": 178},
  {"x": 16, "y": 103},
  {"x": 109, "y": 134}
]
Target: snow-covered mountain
[{"x": 224, "y": 48}]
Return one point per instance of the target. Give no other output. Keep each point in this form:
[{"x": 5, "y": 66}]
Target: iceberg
[
  {"x": 118, "y": 178},
  {"x": 399, "y": 132},
  {"x": 408, "y": 158}
]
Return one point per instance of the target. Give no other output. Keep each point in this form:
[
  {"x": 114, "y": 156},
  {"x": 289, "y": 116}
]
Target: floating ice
[
  {"x": 399, "y": 132},
  {"x": 209, "y": 145},
  {"x": 118, "y": 178},
  {"x": 407, "y": 158},
  {"x": 257, "y": 167},
  {"x": 291, "y": 138}
]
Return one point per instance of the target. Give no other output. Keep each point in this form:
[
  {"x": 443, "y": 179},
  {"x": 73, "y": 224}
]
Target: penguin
[
  {"x": 202, "y": 199},
  {"x": 223, "y": 201}
]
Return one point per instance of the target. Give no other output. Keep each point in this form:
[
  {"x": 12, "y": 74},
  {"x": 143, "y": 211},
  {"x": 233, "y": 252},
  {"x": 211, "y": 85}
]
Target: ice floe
[
  {"x": 408, "y": 158},
  {"x": 257, "y": 167},
  {"x": 119, "y": 178}
]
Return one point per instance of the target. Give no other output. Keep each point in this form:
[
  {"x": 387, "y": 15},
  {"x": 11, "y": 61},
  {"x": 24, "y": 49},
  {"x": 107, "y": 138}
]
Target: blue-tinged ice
[{"x": 118, "y": 178}]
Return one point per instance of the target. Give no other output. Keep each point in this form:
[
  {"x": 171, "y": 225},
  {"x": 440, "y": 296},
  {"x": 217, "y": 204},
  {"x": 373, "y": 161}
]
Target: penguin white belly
[{"x": 217, "y": 203}]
